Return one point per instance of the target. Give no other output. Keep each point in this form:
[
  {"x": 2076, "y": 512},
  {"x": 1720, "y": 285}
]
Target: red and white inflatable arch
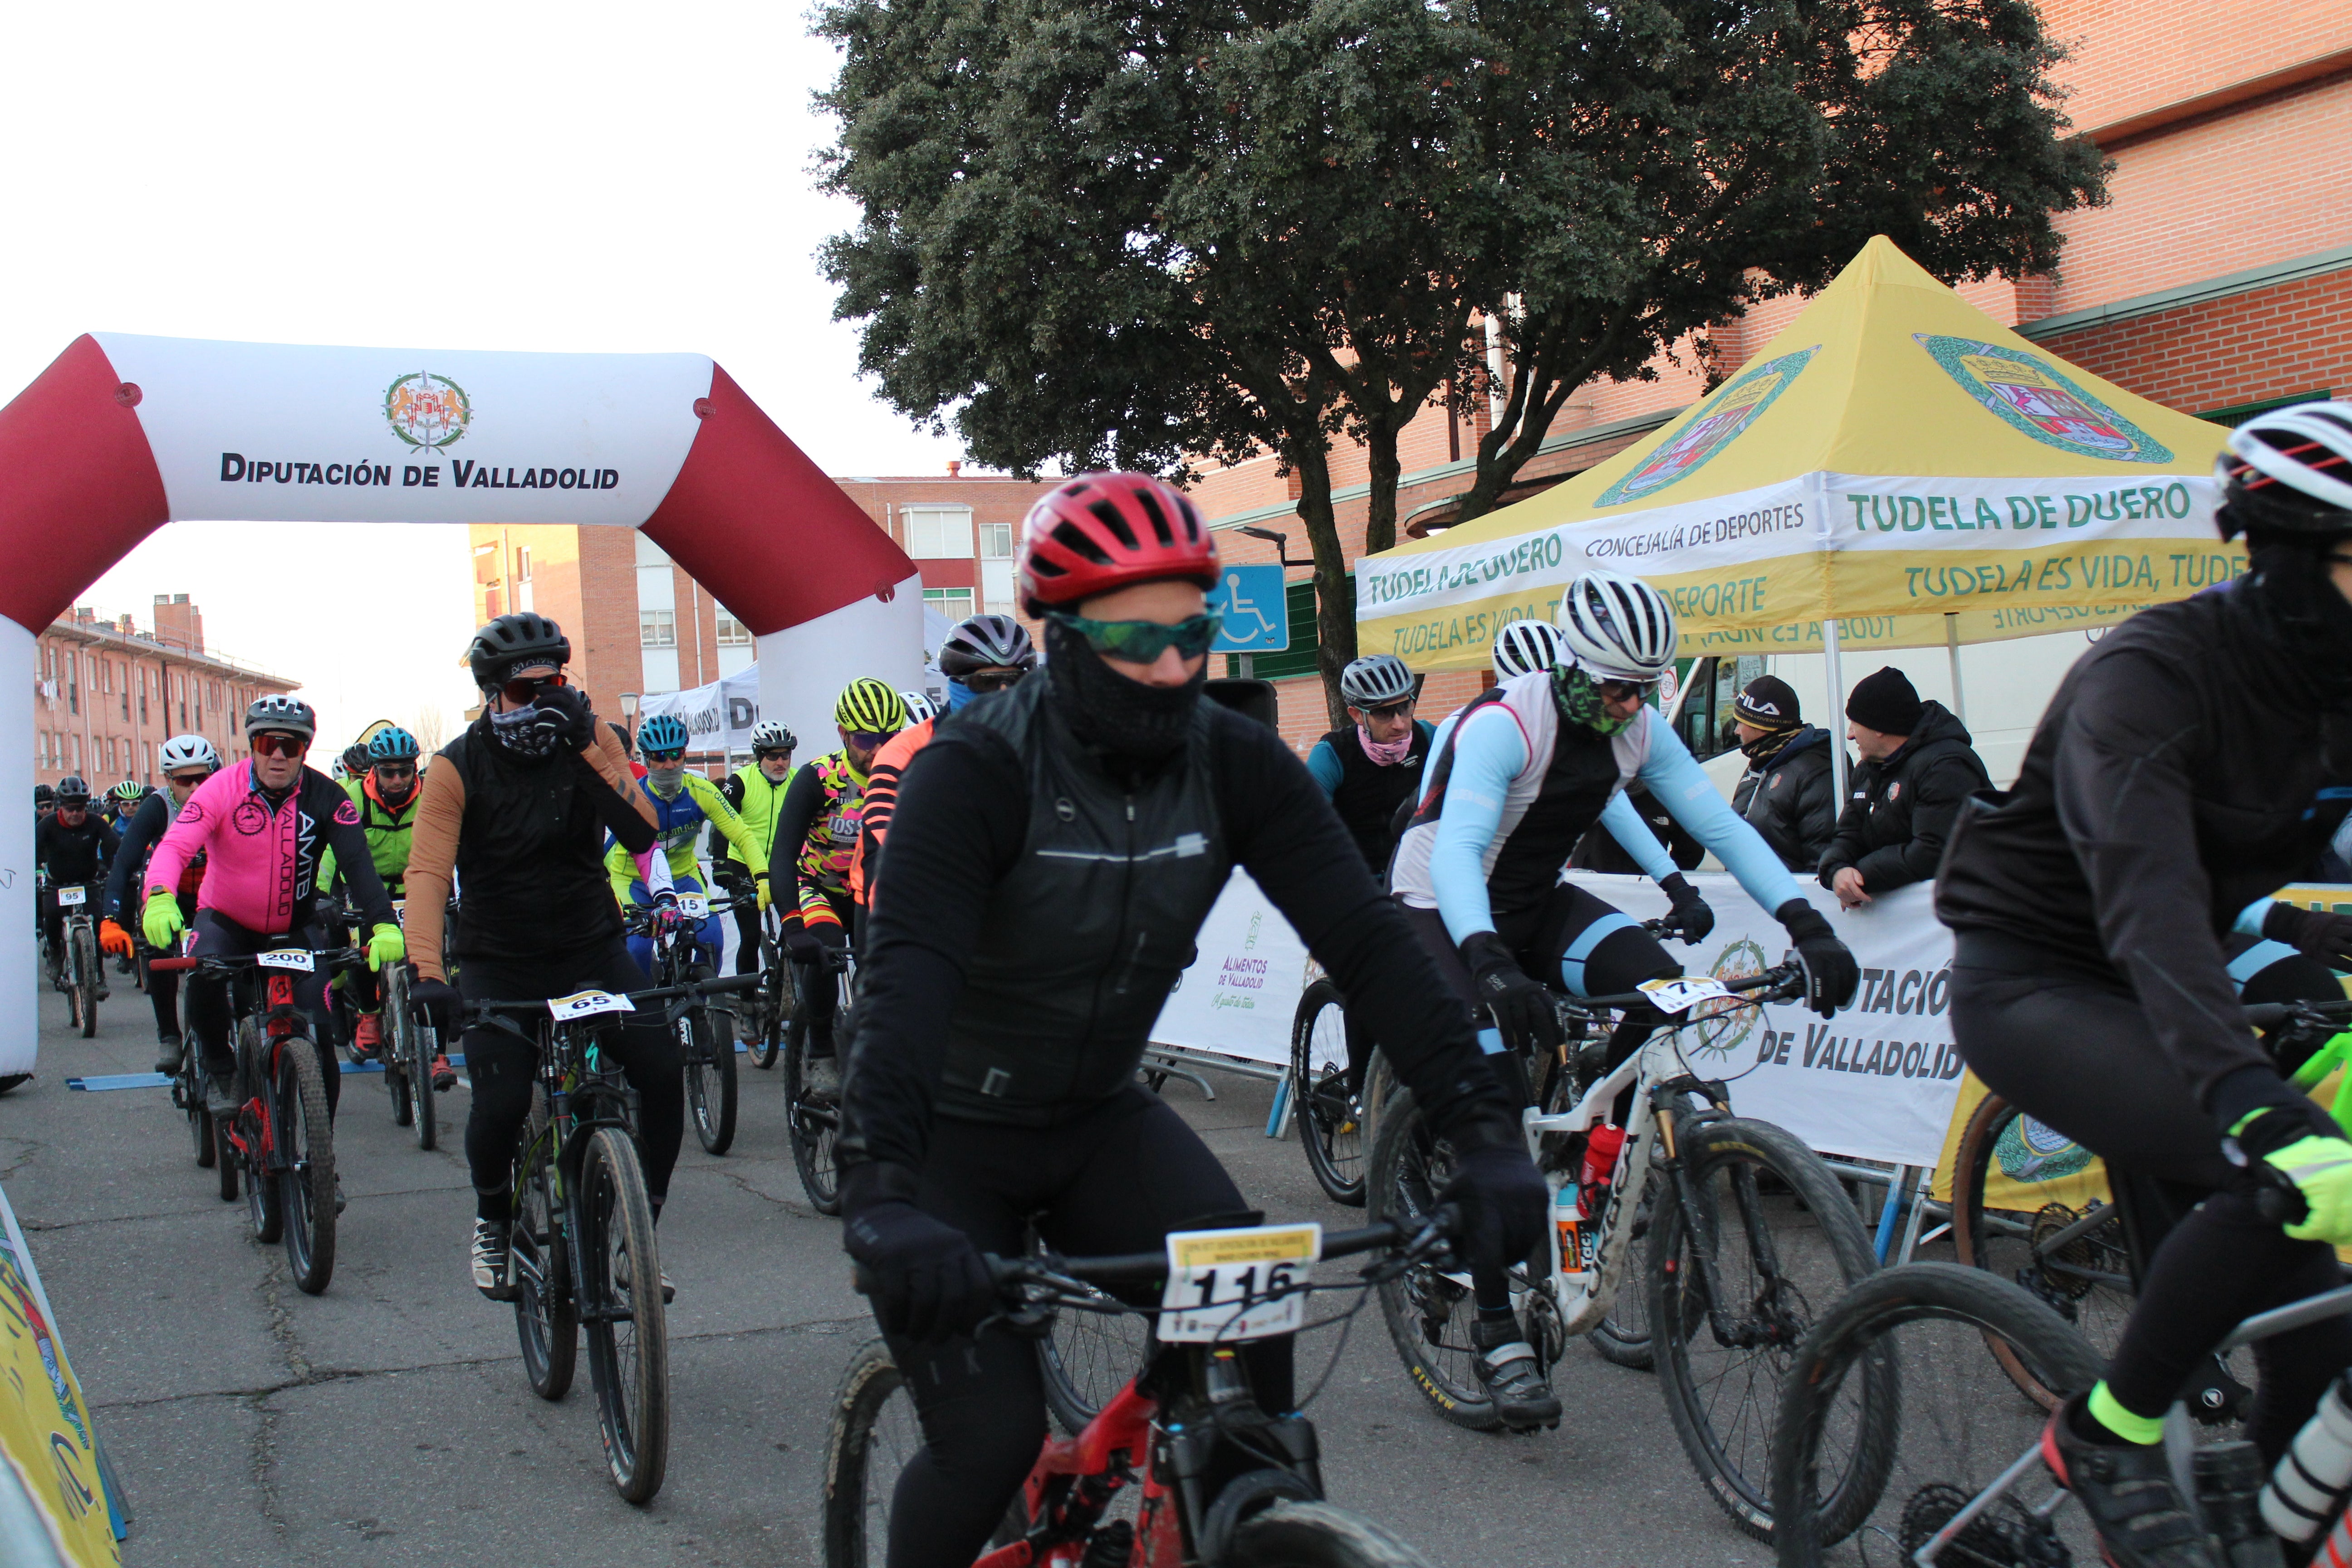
[{"x": 124, "y": 434}]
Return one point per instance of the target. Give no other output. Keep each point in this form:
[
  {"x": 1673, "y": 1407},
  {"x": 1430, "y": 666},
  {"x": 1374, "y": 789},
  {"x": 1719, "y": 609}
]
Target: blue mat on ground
[{"x": 157, "y": 1080}]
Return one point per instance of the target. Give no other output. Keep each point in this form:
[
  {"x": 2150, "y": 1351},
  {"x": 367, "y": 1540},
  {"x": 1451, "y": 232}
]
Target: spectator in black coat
[
  {"x": 1917, "y": 766},
  {"x": 1788, "y": 794}
]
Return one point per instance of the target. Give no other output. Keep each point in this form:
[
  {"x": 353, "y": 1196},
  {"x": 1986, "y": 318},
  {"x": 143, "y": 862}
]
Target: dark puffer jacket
[
  {"x": 1790, "y": 797},
  {"x": 1899, "y": 812}
]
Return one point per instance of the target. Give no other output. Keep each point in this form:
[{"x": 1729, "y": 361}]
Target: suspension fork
[{"x": 1663, "y": 1108}]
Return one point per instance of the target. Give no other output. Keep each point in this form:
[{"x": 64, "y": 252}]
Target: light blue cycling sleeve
[
  {"x": 1324, "y": 764},
  {"x": 1488, "y": 754},
  {"x": 1634, "y": 836},
  {"x": 1673, "y": 776},
  {"x": 2249, "y": 919}
]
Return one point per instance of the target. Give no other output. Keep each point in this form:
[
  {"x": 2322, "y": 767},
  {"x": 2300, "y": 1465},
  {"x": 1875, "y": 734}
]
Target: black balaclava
[
  {"x": 1124, "y": 721},
  {"x": 2294, "y": 628}
]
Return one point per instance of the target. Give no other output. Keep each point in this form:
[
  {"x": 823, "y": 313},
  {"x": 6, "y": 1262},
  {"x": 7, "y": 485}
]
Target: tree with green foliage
[{"x": 1117, "y": 233}]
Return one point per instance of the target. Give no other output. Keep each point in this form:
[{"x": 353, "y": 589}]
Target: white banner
[
  {"x": 1878, "y": 1081},
  {"x": 719, "y": 716},
  {"x": 297, "y": 433},
  {"x": 1240, "y": 993}
]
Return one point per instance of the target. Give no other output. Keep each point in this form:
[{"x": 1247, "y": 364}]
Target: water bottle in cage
[
  {"x": 2306, "y": 1491},
  {"x": 1601, "y": 1147}
]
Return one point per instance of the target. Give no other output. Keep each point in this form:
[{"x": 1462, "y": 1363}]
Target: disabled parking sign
[{"x": 1256, "y": 608}]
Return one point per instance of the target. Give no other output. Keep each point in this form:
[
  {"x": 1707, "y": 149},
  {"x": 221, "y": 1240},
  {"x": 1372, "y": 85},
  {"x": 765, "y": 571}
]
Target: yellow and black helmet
[{"x": 868, "y": 707}]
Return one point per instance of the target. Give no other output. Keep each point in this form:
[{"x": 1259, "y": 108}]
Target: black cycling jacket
[
  {"x": 2182, "y": 773},
  {"x": 1033, "y": 913},
  {"x": 73, "y": 855},
  {"x": 147, "y": 825}
]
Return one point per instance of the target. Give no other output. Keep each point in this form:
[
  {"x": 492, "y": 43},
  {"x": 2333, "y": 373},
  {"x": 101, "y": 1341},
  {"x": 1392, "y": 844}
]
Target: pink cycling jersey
[{"x": 263, "y": 861}]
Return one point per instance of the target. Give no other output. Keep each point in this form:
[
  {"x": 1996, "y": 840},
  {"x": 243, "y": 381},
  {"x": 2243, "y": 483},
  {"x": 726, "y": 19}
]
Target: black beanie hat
[
  {"x": 1885, "y": 702},
  {"x": 1768, "y": 703}
]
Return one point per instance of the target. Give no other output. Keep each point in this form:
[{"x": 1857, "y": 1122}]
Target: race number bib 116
[
  {"x": 1225, "y": 1286},
  {"x": 586, "y": 1004}
]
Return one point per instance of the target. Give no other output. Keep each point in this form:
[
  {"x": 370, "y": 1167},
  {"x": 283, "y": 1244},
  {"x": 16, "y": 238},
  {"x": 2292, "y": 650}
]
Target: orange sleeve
[
  {"x": 432, "y": 854},
  {"x": 604, "y": 755}
]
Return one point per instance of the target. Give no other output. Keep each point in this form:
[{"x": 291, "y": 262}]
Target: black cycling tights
[
  {"x": 2077, "y": 1057},
  {"x": 503, "y": 1067},
  {"x": 210, "y": 1018},
  {"x": 1118, "y": 1179}
]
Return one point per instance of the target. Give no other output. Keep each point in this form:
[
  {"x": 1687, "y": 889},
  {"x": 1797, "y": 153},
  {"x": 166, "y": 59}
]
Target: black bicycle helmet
[
  {"x": 986, "y": 642},
  {"x": 355, "y": 758},
  {"x": 72, "y": 791},
  {"x": 44, "y": 795},
  {"x": 513, "y": 642},
  {"x": 280, "y": 715}
]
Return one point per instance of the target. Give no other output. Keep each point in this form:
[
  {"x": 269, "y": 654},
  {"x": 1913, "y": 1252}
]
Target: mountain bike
[
  {"x": 82, "y": 975},
  {"x": 409, "y": 1042},
  {"x": 282, "y": 1138},
  {"x": 2069, "y": 1248},
  {"x": 1961, "y": 1482},
  {"x": 812, "y": 1097},
  {"x": 1748, "y": 1234},
  {"x": 1182, "y": 1465},
  {"x": 761, "y": 1015},
  {"x": 581, "y": 1241},
  {"x": 705, "y": 1034},
  {"x": 1329, "y": 1115}
]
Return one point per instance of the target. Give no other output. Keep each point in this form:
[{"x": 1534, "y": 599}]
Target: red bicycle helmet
[{"x": 1102, "y": 532}]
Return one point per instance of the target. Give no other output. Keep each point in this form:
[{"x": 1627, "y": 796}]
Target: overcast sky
[{"x": 580, "y": 178}]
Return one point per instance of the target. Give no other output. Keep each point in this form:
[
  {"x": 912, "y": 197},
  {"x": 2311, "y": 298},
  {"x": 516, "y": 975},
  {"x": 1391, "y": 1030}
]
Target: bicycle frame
[
  {"x": 1103, "y": 1454},
  {"x": 279, "y": 1019}
]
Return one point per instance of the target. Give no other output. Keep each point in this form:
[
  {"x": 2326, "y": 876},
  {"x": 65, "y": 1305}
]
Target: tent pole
[
  {"x": 1837, "y": 709},
  {"x": 1952, "y": 646}
]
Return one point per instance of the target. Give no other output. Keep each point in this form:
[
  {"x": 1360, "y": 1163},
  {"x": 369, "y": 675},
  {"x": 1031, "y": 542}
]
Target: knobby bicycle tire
[
  {"x": 265, "y": 1197},
  {"x": 628, "y": 1363},
  {"x": 776, "y": 1001},
  {"x": 710, "y": 1078},
  {"x": 1972, "y": 1241},
  {"x": 811, "y": 1124},
  {"x": 547, "y": 1318},
  {"x": 1853, "y": 1333},
  {"x": 308, "y": 1138},
  {"x": 867, "y": 1386},
  {"x": 1330, "y": 1126},
  {"x": 1732, "y": 1464},
  {"x": 1428, "y": 1313},
  {"x": 190, "y": 1087},
  {"x": 1290, "y": 1534},
  {"x": 85, "y": 957},
  {"x": 396, "y": 1029},
  {"x": 225, "y": 1159}
]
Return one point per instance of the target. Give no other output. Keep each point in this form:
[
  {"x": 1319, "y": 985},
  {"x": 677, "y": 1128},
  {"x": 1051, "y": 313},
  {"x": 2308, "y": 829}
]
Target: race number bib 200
[{"x": 1225, "y": 1286}]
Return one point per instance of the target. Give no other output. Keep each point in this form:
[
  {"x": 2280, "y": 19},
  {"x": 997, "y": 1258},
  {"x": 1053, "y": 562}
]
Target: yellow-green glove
[
  {"x": 761, "y": 879},
  {"x": 159, "y": 919},
  {"x": 387, "y": 945},
  {"x": 2321, "y": 1170}
]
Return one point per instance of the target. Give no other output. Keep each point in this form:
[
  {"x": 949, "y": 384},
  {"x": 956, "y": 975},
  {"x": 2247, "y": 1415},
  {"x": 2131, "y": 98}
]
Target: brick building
[
  {"x": 106, "y": 694},
  {"x": 2218, "y": 280},
  {"x": 640, "y": 623}
]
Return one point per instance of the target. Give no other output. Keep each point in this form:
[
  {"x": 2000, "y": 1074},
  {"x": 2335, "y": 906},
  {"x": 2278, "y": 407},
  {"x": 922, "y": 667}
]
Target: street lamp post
[{"x": 629, "y": 715}]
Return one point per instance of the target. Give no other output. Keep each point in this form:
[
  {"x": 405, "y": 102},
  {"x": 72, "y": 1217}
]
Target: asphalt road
[{"x": 387, "y": 1421}]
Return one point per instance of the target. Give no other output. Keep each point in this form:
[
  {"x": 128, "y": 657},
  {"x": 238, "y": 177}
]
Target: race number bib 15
[
  {"x": 586, "y": 1004},
  {"x": 1224, "y": 1286},
  {"x": 693, "y": 906}
]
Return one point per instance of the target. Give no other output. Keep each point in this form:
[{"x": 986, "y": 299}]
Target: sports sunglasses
[{"x": 1141, "y": 642}]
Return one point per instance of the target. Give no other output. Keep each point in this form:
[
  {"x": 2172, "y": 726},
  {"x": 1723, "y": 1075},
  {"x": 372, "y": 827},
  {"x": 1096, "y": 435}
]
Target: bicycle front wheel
[
  {"x": 1317, "y": 1535},
  {"x": 776, "y": 1000},
  {"x": 874, "y": 1433},
  {"x": 811, "y": 1123},
  {"x": 1429, "y": 1310},
  {"x": 1747, "y": 1248},
  {"x": 709, "y": 1052},
  {"x": 1330, "y": 1123},
  {"x": 85, "y": 981},
  {"x": 306, "y": 1140},
  {"x": 1919, "y": 1332},
  {"x": 2075, "y": 1259},
  {"x": 628, "y": 1345},
  {"x": 547, "y": 1319}
]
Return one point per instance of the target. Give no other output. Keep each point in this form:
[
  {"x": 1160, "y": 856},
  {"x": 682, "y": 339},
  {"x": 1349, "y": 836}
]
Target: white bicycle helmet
[
  {"x": 1525, "y": 646},
  {"x": 918, "y": 706},
  {"x": 770, "y": 735},
  {"x": 2291, "y": 469},
  {"x": 1617, "y": 627},
  {"x": 1375, "y": 679},
  {"x": 187, "y": 752}
]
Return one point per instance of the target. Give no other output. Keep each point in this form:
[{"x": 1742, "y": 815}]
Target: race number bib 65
[
  {"x": 586, "y": 1003},
  {"x": 70, "y": 898},
  {"x": 1225, "y": 1286}
]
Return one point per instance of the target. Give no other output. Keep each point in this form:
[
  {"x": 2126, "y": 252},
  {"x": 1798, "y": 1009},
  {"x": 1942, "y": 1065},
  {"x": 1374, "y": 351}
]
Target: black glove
[
  {"x": 925, "y": 1277},
  {"x": 811, "y": 944},
  {"x": 436, "y": 999},
  {"x": 568, "y": 706},
  {"x": 1502, "y": 1199},
  {"x": 1691, "y": 912},
  {"x": 2310, "y": 932},
  {"x": 1523, "y": 1009},
  {"x": 1831, "y": 973}
]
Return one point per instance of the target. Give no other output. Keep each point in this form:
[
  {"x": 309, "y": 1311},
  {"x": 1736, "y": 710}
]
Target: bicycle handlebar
[
  {"x": 1778, "y": 978},
  {"x": 2271, "y": 1015},
  {"x": 329, "y": 957},
  {"x": 731, "y": 982}
]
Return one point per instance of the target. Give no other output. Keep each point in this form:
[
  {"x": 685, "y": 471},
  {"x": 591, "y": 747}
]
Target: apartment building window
[
  {"x": 73, "y": 683},
  {"x": 733, "y": 633},
  {"x": 937, "y": 533},
  {"x": 955, "y": 604},
  {"x": 996, "y": 541},
  {"x": 656, "y": 628},
  {"x": 73, "y": 750}
]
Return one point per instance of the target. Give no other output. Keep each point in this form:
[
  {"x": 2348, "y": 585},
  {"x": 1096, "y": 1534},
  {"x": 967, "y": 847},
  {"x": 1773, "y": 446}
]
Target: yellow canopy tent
[{"x": 1896, "y": 469}]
